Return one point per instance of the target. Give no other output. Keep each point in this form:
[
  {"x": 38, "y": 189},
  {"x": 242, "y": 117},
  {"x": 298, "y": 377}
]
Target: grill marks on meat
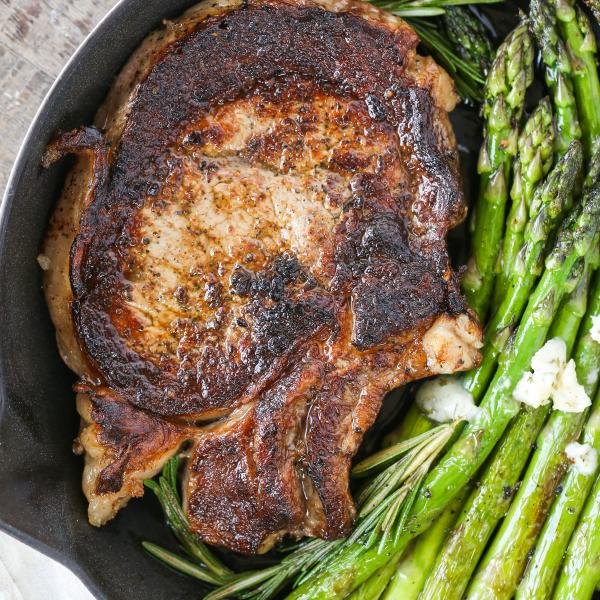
[{"x": 259, "y": 238}]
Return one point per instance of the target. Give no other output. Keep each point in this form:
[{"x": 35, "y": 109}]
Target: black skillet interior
[{"x": 40, "y": 494}]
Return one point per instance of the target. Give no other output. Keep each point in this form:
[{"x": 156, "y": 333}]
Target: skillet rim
[{"x": 59, "y": 87}]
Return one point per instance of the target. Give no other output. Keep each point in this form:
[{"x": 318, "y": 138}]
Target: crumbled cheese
[
  {"x": 551, "y": 357},
  {"x": 568, "y": 394},
  {"x": 583, "y": 456},
  {"x": 592, "y": 376},
  {"x": 43, "y": 261},
  {"x": 535, "y": 388},
  {"x": 444, "y": 399},
  {"x": 595, "y": 330}
]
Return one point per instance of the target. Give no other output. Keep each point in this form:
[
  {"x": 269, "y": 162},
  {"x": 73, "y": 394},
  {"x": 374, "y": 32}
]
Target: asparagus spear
[
  {"x": 469, "y": 37},
  {"x": 565, "y": 326},
  {"x": 412, "y": 571},
  {"x": 557, "y": 72},
  {"x": 540, "y": 576},
  {"x": 508, "y": 79},
  {"x": 535, "y": 156},
  {"x": 581, "y": 570},
  {"x": 356, "y": 564},
  {"x": 375, "y": 586},
  {"x": 503, "y": 564},
  {"x": 547, "y": 207},
  {"x": 581, "y": 45}
]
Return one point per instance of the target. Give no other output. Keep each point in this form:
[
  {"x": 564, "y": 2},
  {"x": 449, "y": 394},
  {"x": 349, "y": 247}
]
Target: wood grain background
[{"x": 37, "y": 37}]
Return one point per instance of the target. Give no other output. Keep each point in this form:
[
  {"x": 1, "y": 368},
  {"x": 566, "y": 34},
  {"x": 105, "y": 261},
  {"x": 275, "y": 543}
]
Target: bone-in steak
[{"x": 250, "y": 253}]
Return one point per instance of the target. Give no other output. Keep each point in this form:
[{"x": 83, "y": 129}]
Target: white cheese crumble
[
  {"x": 552, "y": 378},
  {"x": 444, "y": 399},
  {"x": 592, "y": 376},
  {"x": 535, "y": 387},
  {"x": 583, "y": 456},
  {"x": 44, "y": 262},
  {"x": 568, "y": 394},
  {"x": 595, "y": 330},
  {"x": 551, "y": 357}
]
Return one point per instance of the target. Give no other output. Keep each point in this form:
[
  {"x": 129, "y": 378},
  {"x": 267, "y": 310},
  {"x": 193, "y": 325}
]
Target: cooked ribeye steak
[{"x": 250, "y": 253}]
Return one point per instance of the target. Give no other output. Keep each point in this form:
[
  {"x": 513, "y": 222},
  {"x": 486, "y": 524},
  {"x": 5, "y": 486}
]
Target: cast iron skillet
[{"x": 41, "y": 502}]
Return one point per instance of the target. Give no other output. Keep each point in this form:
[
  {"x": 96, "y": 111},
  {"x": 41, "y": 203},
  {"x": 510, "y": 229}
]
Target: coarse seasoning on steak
[{"x": 250, "y": 253}]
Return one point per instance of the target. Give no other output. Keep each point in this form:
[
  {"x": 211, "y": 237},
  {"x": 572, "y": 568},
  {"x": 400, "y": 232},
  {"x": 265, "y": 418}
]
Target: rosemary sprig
[
  {"x": 181, "y": 564},
  {"x": 392, "y": 479},
  {"x": 468, "y": 76},
  {"x": 423, "y": 8},
  {"x": 467, "y": 72},
  {"x": 385, "y": 502},
  {"x": 165, "y": 489}
]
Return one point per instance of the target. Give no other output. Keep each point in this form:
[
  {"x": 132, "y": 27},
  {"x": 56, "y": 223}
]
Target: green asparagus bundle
[
  {"x": 556, "y": 192},
  {"x": 558, "y": 72},
  {"x": 510, "y": 75},
  {"x": 534, "y": 159},
  {"x": 581, "y": 45},
  {"x": 456, "y": 561},
  {"x": 505, "y": 560},
  {"x": 543, "y": 568},
  {"x": 492, "y": 497}
]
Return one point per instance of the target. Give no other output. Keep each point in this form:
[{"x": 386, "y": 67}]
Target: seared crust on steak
[{"x": 250, "y": 253}]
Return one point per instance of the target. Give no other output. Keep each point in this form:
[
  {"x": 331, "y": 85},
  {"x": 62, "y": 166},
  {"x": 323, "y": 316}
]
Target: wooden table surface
[{"x": 37, "y": 37}]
